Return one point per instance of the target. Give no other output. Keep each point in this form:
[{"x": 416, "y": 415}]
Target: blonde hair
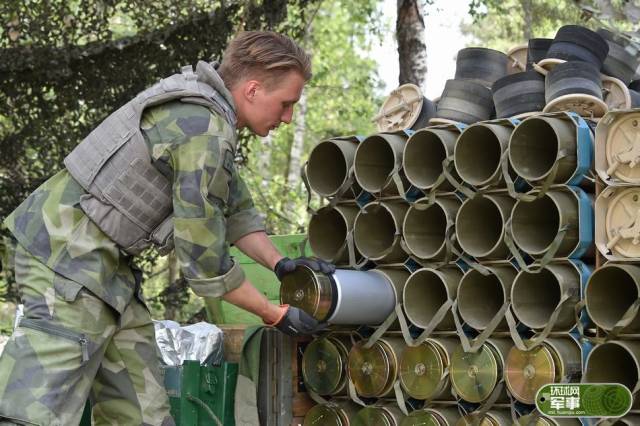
[{"x": 263, "y": 55}]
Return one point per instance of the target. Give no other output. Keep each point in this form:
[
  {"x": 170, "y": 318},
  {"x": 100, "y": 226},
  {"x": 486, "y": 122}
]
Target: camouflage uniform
[{"x": 86, "y": 328}]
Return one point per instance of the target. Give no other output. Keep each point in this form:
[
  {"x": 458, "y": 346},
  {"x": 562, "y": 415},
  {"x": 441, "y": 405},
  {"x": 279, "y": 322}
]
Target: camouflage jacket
[{"x": 185, "y": 142}]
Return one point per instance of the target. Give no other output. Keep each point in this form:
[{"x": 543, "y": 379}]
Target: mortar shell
[
  {"x": 474, "y": 375},
  {"x": 324, "y": 365},
  {"x": 628, "y": 420},
  {"x": 547, "y": 421},
  {"x": 426, "y": 290},
  {"x": 432, "y": 416},
  {"x": 345, "y": 297},
  {"x": 480, "y": 225},
  {"x": 334, "y": 413},
  {"x": 493, "y": 417},
  {"x": 374, "y": 370},
  {"x": 535, "y": 295},
  {"x": 610, "y": 292},
  {"x": 551, "y": 362},
  {"x": 384, "y": 415},
  {"x": 480, "y": 297},
  {"x": 422, "y": 368}
]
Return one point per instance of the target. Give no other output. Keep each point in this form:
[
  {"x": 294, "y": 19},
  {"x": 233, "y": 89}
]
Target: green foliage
[
  {"x": 67, "y": 64},
  {"x": 502, "y": 24}
]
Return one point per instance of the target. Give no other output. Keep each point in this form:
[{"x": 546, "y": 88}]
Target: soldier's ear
[{"x": 251, "y": 88}]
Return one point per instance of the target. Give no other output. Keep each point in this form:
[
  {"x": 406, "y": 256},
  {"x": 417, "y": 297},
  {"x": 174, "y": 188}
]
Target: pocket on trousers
[{"x": 55, "y": 330}]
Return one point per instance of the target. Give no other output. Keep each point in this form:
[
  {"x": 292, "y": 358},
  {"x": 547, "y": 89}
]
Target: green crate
[
  {"x": 221, "y": 312},
  {"x": 190, "y": 386}
]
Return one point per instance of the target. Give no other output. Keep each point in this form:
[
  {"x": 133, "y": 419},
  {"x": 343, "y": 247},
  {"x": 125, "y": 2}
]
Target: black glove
[
  {"x": 296, "y": 322},
  {"x": 287, "y": 265}
]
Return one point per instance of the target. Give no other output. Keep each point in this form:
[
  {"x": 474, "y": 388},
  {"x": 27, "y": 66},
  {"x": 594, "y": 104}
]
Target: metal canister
[
  {"x": 490, "y": 418},
  {"x": 374, "y": 370},
  {"x": 334, "y": 413},
  {"x": 344, "y": 297},
  {"x": 324, "y": 364},
  {"x": 529, "y": 420},
  {"x": 422, "y": 368},
  {"x": 310, "y": 291},
  {"x": 551, "y": 362},
  {"x": 629, "y": 420},
  {"x": 474, "y": 375},
  {"x": 434, "y": 416},
  {"x": 383, "y": 415}
]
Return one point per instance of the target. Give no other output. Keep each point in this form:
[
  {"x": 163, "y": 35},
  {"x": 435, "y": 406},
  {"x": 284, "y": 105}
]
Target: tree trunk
[
  {"x": 412, "y": 50},
  {"x": 264, "y": 159},
  {"x": 527, "y": 10},
  {"x": 295, "y": 157}
]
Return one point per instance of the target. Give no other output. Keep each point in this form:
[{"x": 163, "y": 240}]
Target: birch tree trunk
[
  {"x": 412, "y": 50},
  {"x": 527, "y": 9},
  {"x": 295, "y": 158},
  {"x": 264, "y": 159}
]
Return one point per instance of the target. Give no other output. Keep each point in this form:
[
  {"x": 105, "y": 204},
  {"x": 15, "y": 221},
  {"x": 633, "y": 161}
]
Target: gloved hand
[
  {"x": 296, "y": 322},
  {"x": 287, "y": 265}
]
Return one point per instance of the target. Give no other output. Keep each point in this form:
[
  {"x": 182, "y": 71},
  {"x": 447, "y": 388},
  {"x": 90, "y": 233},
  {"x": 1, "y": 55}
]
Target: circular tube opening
[
  {"x": 424, "y": 293},
  {"x": 374, "y": 161},
  {"x": 479, "y": 298},
  {"x": 327, "y": 168},
  {"x": 535, "y": 224},
  {"x": 611, "y": 363},
  {"x": 479, "y": 226},
  {"x": 477, "y": 155},
  {"x": 374, "y": 231},
  {"x": 327, "y": 233},
  {"x": 533, "y": 149},
  {"x": 423, "y": 157},
  {"x": 534, "y": 297},
  {"x": 610, "y": 292},
  {"x": 424, "y": 231}
]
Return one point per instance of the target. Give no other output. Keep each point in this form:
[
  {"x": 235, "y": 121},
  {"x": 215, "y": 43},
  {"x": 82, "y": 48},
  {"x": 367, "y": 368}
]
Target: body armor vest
[{"x": 127, "y": 197}]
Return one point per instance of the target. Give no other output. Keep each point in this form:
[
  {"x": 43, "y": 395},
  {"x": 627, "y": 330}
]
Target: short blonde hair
[{"x": 264, "y": 55}]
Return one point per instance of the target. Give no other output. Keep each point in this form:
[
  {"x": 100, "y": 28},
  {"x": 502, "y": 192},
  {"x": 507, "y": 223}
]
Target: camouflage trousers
[{"x": 69, "y": 346}]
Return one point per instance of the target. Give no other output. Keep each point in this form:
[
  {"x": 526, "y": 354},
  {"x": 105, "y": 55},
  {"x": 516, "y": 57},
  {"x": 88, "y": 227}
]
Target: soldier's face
[{"x": 265, "y": 108}]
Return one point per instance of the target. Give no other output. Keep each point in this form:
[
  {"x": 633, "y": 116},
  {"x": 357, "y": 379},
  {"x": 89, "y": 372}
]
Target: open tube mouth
[
  {"x": 374, "y": 230},
  {"x": 533, "y": 149},
  {"x": 480, "y": 297},
  {"x": 327, "y": 233},
  {"x": 610, "y": 292},
  {"x": 424, "y": 293},
  {"x": 612, "y": 362},
  {"x": 477, "y": 155},
  {"x": 535, "y": 224},
  {"x": 327, "y": 169},
  {"x": 534, "y": 297},
  {"x": 422, "y": 159},
  {"x": 424, "y": 231},
  {"x": 479, "y": 226},
  {"x": 374, "y": 162}
]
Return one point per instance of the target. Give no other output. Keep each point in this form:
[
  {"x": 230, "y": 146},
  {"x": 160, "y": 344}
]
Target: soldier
[{"x": 157, "y": 172}]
